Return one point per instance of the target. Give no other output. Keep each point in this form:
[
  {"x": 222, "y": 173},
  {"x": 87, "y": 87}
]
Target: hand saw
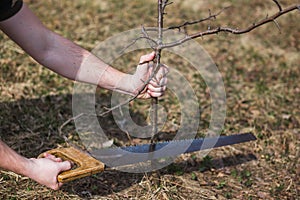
[{"x": 86, "y": 165}]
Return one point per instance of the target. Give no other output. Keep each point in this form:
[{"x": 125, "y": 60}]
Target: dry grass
[{"x": 260, "y": 72}]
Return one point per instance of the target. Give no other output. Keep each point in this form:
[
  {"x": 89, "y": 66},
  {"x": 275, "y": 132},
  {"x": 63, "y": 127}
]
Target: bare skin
[{"x": 68, "y": 59}]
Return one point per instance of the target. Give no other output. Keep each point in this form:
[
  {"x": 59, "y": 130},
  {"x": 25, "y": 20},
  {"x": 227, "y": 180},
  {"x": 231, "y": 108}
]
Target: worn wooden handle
[{"x": 85, "y": 165}]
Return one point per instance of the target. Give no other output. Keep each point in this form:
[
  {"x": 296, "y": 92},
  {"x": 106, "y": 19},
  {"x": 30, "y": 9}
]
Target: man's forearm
[
  {"x": 12, "y": 161},
  {"x": 72, "y": 61}
]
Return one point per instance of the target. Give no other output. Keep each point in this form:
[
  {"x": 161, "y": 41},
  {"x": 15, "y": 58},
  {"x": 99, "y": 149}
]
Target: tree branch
[
  {"x": 278, "y": 5},
  {"x": 146, "y": 37},
  {"x": 232, "y": 30},
  {"x": 149, "y": 40},
  {"x": 214, "y": 16},
  {"x": 165, "y": 3},
  {"x": 162, "y": 4}
]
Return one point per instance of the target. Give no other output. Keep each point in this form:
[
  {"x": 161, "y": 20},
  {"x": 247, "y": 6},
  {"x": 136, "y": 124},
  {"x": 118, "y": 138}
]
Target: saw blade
[{"x": 128, "y": 155}]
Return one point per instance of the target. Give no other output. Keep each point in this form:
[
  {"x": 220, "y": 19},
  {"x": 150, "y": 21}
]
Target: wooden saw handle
[{"x": 85, "y": 164}]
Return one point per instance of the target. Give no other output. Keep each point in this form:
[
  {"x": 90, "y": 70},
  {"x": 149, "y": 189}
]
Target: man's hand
[
  {"x": 157, "y": 85},
  {"x": 45, "y": 170}
]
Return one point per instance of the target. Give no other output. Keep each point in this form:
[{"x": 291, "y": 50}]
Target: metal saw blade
[{"x": 128, "y": 155}]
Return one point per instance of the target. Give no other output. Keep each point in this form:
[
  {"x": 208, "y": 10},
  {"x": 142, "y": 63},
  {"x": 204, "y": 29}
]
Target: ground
[{"x": 260, "y": 71}]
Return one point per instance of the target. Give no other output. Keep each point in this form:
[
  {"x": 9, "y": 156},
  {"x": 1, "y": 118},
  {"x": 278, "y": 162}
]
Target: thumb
[
  {"x": 144, "y": 68},
  {"x": 147, "y": 58},
  {"x": 66, "y": 165}
]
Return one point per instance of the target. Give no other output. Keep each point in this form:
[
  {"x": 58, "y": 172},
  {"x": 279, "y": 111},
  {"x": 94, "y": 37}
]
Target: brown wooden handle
[{"x": 85, "y": 164}]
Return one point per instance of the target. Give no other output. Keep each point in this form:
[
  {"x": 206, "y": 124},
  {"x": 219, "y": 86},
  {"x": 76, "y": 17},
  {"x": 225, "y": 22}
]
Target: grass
[{"x": 260, "y": 72}]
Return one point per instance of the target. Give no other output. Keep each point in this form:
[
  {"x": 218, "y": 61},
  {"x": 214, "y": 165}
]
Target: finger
[
  {"x": 154, "y": 94},
  {"x": 52, "y": 157},
  {"x": 66, "y": 165},
  {"x": 49, "y": 156},
  {"x": 147, "y": 58},
  {"x": 154, "y": 83},
  {"x": 157, "y": 89}
]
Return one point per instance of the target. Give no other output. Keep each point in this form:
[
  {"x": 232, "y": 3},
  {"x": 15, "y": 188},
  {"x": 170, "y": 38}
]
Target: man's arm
[
  {"x": 68, "y": 59},
  {"x": 44, "y": 170}
]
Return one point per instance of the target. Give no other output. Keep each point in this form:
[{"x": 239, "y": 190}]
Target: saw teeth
[{"x": 171, "y": 142}]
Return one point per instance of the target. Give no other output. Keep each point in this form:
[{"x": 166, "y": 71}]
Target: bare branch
[
  {"x": 160, "y": 21},
  {"x": 214, "y": 16},
  {"x": 278, "y": 5},
  {"x": 108, "y": 110},
  {"x": 277, "y": 25},
  {"x": 149, "y": 39},
  {"x": 146, "y": 35},
  {"x": 231, "y": 30},
  {"x": 67, "y": 122},
  {"x": 165, "y": 3}
]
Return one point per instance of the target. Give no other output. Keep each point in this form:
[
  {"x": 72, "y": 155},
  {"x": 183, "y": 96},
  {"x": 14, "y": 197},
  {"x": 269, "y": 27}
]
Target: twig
[
  {"x": 117, "y": 106},
  {"x": 277, "y": 25},
  {"x": 278, "y": 5},
  {"x": 214, "y": 16},
  {"x": 146, "y": 35},
  {"x": 149, "y": 39},
  {"x": 165, "y": 3},
  {"x": 67, "y": 122}
]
